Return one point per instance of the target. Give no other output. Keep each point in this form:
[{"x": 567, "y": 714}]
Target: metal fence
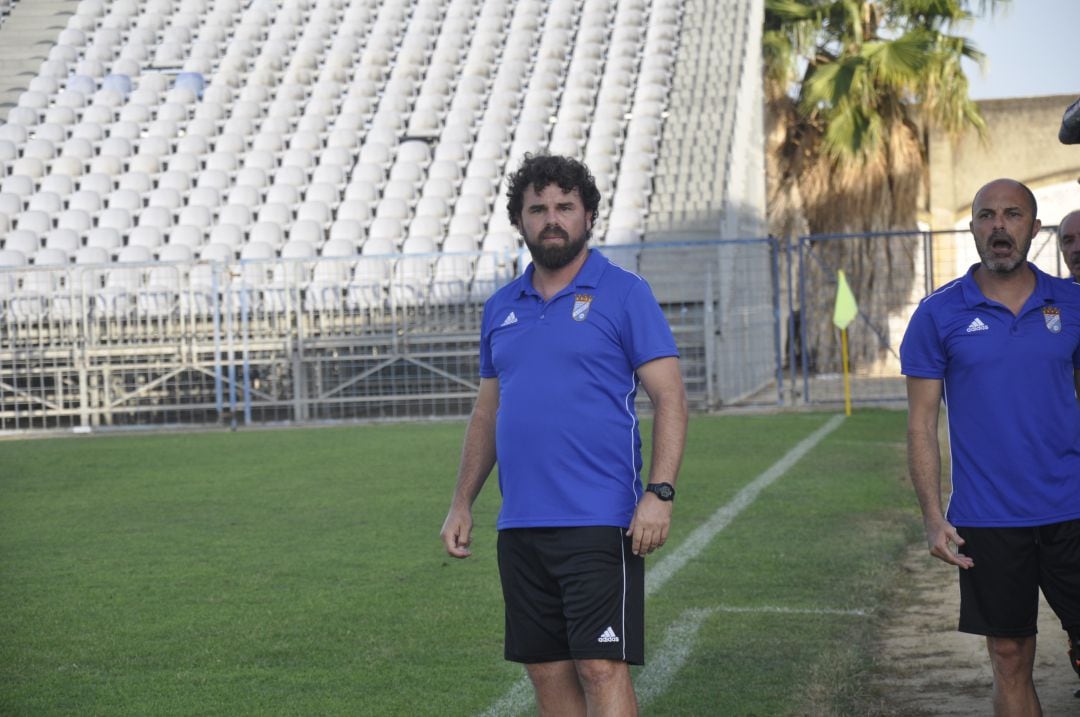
[
  {"x": 893, "y": 272},
  {"x": 359, "y": 338},
  {"x": 91, "y": 347}
]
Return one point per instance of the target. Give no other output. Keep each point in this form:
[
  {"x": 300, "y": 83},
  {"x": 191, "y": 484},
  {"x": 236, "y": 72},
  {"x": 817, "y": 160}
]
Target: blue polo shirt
[
  {"x": 567, "y": 440},
  {"x": 1014, "y": 422}
]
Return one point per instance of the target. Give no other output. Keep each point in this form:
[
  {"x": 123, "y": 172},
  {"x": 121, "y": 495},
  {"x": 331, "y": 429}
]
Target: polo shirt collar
[
  {"x": 588, "y": 275},
  {"x": 1042, "y": 294}
]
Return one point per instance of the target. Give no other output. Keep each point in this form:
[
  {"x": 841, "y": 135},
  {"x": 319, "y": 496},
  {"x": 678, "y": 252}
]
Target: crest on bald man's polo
[
  {"x": 582, "y": 302},
  {"x": 1052, "y": 317}
]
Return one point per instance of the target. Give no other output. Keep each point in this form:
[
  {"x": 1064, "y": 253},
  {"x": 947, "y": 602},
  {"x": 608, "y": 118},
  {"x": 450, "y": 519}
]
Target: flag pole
[
  {"x": 844, "y": 313},
  {"x": 847, "y": 375}
]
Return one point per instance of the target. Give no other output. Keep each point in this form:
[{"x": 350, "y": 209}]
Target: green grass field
[{"x": 299, "y": 572}]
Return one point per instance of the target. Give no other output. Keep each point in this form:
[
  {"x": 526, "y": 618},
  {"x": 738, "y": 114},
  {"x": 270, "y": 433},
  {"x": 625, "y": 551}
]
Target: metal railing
[
  {"x": 893, "y": 271},
  {"x": 396, "y": 337},
  {"x": 331, "y": 339}
]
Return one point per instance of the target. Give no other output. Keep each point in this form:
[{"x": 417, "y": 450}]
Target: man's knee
[
  {"x": 559, "y": 673},
  {"x": 557, "y": 688},
  {"x": 1012, "y": 657},
  {"x": 598, "y": 674}
]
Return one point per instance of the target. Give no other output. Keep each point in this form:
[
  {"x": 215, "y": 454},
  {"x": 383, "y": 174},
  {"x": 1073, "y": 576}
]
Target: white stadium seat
[{"x": 210, "y": 126}]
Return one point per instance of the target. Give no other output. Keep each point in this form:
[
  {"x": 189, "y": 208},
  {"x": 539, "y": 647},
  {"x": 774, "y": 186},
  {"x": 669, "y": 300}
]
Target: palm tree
[{"x": 852, "y": 89}]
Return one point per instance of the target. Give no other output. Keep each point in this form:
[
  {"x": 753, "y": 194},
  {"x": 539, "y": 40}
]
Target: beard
[
  {"x": 555, "y": 255},
  {"x": 999, "y": 264}
]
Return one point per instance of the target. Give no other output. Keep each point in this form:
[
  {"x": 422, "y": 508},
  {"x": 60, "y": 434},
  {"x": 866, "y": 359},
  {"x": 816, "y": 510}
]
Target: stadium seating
[{"x": 239, "y": 130}]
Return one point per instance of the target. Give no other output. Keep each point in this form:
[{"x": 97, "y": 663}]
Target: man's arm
[
  {"x": 477, "y": 460},
  {"x": 924, "y": 465},
  {"x": 662, "y": 381}
]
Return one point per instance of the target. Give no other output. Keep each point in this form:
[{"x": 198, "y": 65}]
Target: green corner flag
[{"x": 846, "y": 308}]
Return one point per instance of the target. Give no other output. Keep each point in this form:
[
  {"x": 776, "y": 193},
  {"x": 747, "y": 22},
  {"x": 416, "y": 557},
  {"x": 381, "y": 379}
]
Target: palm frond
[
  {"x": 831, "y": 84},
  {"x": 853, "y": 133},
  {"x": 790, "y": 11},
  {"x": 899, "y": 63},
  {"x": 875, "y": 75}
]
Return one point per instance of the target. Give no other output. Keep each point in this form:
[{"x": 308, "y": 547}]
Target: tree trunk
[{"x": 809, "y": 194}]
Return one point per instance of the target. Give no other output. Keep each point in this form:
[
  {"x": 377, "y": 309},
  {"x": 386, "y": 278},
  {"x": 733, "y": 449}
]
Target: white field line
[
  {"x": 520, "y": 696},
  {"x": 679, "y": 640},
  {"x": 678, "y": 643},
  {"x": 776, "y": 609},
  {"x": 515, "y": 701},
  {"x": 671, "y": 563}
]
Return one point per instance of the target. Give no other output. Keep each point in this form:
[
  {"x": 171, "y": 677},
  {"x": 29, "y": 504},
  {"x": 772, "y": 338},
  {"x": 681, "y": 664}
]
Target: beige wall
[{"x": 1022, "y": 144}]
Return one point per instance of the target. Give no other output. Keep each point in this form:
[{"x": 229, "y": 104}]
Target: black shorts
[
  {"x": 1000, "y": 595},
  {"x": 572, "y": 594}
]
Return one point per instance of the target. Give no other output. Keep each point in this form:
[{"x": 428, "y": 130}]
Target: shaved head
[
  {"x": 997, "y": 183},
  {"x": 1069, "y": 223}
]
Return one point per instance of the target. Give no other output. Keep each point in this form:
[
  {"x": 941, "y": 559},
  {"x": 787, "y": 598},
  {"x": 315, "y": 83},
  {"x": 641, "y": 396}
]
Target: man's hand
[
  {"x": 457, "y": 532},
  {"x": 940, "y": 537},
  {"x": 649, "y": 527}
]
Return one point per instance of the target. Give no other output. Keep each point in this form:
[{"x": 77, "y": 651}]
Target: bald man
[
  {"x": 1001, "y": 346},
  {"x": 1069, "y": 242}
]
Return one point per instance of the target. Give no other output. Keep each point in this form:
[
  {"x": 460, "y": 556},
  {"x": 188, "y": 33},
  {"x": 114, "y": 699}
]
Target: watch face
[{"x": 663, "y": 491}]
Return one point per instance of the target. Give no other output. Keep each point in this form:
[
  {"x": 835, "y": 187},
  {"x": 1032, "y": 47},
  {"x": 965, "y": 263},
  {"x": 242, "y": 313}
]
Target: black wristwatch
[{"x": 663, "y": 491}]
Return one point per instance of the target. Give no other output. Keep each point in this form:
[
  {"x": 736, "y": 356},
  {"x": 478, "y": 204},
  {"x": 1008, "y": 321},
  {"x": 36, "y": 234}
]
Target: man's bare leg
[
  {"x": 558, "y": 689},
  {"x": 1013, "y": 660},
  {"x": 608, "y": 689}
]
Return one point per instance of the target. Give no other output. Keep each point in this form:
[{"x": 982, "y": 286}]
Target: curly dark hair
[{"x": 540, "y": 170}]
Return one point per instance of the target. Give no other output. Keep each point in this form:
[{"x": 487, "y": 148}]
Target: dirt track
[{"x": 935, "y": 670}]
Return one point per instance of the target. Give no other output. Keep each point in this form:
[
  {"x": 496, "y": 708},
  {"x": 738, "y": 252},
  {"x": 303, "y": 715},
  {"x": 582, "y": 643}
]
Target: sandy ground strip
[{"x": 931, "y": 669}]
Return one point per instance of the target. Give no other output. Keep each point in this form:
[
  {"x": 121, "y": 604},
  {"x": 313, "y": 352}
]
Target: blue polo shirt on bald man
[
  {"x": 567, "y": 439},
  {"x": 1014, "y": 421}
]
